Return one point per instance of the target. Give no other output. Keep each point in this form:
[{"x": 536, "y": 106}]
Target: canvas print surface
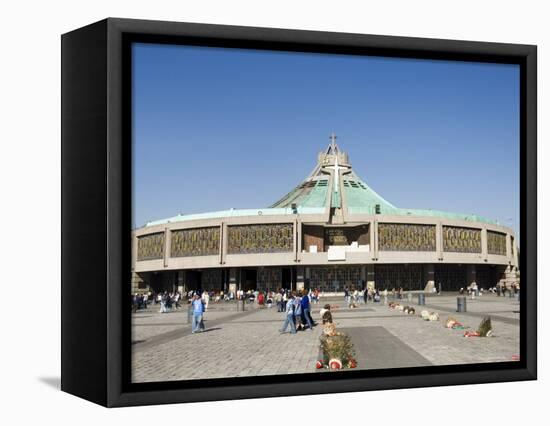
[{"x": 298, "y": 212}]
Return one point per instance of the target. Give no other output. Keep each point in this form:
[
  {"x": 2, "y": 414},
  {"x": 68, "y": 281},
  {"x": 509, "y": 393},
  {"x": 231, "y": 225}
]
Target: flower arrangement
[
  {"x": 429, "y": 316},
  {"x": 485, "y": 329},
  {"x": 329, "y": 329},
  {"x": 409, "y": 310},
  {"x": 337, "y": 350},
  {"x": 454, "y": 324}
]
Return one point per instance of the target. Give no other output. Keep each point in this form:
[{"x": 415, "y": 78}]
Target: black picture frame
[{"x": 96, "y": 211}]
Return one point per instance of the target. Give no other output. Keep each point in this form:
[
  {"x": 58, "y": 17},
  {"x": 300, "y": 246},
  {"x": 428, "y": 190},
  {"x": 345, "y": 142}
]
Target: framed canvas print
[{"x": 255, "y": 212}]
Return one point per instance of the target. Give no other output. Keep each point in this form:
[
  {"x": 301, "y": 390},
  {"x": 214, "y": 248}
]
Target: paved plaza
[{"x": 249, "y": 343}]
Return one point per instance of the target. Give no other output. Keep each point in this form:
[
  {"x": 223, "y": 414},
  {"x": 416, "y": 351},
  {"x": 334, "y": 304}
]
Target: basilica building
[{"x": 329, "y": 232}]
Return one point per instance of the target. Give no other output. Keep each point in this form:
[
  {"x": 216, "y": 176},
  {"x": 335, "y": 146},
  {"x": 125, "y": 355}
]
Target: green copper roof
[
  {"x": 359, "y": 195},
  {"x": 361, "y": 199},
  {"x": 312, "y": 193},
  {"x": 237, "y": 213}
]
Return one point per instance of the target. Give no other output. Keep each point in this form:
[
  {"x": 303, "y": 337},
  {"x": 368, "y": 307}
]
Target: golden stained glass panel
[
  {"x": 461, "y": 240},
  {"x": 151, "y": 246},
  {"x": 406, "y": 237},
  {"x": 270, "y": 238},
  {"x": 496, "y": 243},
  {"x": 195, "y": 242}
]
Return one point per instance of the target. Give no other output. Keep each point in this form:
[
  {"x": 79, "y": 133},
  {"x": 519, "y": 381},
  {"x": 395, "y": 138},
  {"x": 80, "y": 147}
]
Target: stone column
[
  {"x": 180, "y": 281},
  {"x": 299, "y": 238},
  {"x": 221, "y": 251},
  {"x": 439, "y": 240},
  {"x": 225, "y": 242},
  {"x": 470, "y": 274},
  {"x": 134, "y": 250},
  {"x": 300, "y": 277},
  {"x": 233, "y": 281},
  {"x": 511, "y": 276},
  {"x": 372, "y": 241},
  {"x": 375, "y": 242},
  {"x": 429, "y": 277},
  {"x": 514, "y": 252},
  {"x": 167, "y": 245},
  {"x": 484, "y": 244},
  {"x": 138, "y": 283},
  {"x": 370, "y": 276}
]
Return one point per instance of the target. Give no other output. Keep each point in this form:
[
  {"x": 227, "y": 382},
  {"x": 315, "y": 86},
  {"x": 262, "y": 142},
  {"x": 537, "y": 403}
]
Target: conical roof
[{"x": 334, "y": 184}]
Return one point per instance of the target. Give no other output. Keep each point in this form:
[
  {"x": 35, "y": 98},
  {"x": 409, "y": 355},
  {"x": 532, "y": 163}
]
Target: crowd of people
[
  {"x": 297, "y": 309},
  {"x": 298, "y": 305},
  {"x": 172, "y": 301},
  {"x": 354, "y": 296},
  {"x": 500, "y": 290},
  {"x": 168, "y": 301}
]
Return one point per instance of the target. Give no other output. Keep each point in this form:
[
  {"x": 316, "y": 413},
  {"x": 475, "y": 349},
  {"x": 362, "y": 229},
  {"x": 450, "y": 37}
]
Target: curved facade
[{"x": 329, "y": 232}]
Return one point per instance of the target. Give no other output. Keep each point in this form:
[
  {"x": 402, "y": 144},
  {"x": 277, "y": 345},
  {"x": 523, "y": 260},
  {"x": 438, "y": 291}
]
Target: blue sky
[{"x": 220, "y": 128}]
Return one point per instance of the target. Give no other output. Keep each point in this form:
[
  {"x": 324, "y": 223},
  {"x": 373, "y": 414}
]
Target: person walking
[
  {"x": 289, "y": 317},
  {"x": 177, "y": 297},
  {"x": 205, "y": 299},
  {"x": 163, "y": 302},
  {"x": 168, "y": 302},
  {"x": 279, "y": 301},
  {"x": 306, "y": 303},
  {"x": 198, "y": 311},
  {"x": 297, "y": 302}
]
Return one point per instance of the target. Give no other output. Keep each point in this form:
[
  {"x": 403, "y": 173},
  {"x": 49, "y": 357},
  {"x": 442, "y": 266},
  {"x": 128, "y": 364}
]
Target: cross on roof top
[{"x": 333, "y": 139}]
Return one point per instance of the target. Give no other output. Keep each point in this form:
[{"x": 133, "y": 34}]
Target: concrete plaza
[{"x": 249, "y": 343}]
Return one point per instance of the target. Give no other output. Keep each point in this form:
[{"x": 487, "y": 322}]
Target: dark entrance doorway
[
  {"x": 156, "y": 282},
  {"x": 488, "y": 276},
  {"x": 250, "y": 279},
  {"x": 450, "y": 277},
  {"x": 163, "y": 281},
  {"x": 287, "y": 278},
  {"x": 225, "y": 280},
  {"x": 193, "y": 280}
]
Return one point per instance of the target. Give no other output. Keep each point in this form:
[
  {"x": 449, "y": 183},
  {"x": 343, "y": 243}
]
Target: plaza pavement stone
[
  {"x": 149, "y": 322},
  {"x": 248, "y": 343}
]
